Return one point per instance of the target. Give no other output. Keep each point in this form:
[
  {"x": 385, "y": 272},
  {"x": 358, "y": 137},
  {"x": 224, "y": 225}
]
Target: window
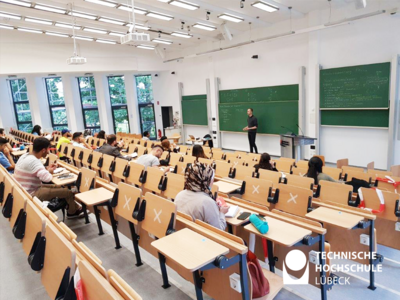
[
  {"x": 90, "y": 110},
  {"x": 21, "y": 104},
  {"x": 55, "y": 95},
  {"x": 119, "y": 108},
  {"x": 144, "y": 91}
]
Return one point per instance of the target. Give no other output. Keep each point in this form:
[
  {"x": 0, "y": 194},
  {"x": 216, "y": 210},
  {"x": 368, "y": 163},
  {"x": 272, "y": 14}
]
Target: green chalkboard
[
  {"x": 194, "y": 110},
  {"x": 271, "y": 116},
  {"x": 260, "y": 94},
  {"x": 365, "y": 86},
  {"x": 361, "y": 118}
]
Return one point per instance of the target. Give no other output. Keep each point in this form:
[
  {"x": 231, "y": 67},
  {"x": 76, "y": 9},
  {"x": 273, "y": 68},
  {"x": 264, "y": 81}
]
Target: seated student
[
  {"x": 66, "y": 134},
  {"x": 151, "y": 159},
  {"x": 198, "y": 152},
  {"x": 196, "y": 199},
  {"x": 101, "y": 135},
  {"x": 30, "y": 172},
  {"x": 36, "y": 130},
  {"x": 146, "y": 136},
  {"x": 79, "y": 140},
  {"x": 315, "y": 170},
  {"x": 6, "y": 159},
  {"x": 265, "y": 163},
  {"x": 112, "y": 147},
  {"x": 173, "y": 146},
  {"x": 3, "y": 135}
]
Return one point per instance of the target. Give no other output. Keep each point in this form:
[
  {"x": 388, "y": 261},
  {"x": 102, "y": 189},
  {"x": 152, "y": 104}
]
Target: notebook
[{"x": 232, "y": 212}]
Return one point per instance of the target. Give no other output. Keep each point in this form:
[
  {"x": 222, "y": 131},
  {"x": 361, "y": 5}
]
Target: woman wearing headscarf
[{"x": 196, "y": 199}]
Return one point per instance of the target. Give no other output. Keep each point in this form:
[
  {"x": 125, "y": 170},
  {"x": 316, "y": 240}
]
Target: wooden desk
[
  {"x": 335, "y": 217},
  {"x": 61, "y": 182},
  {"x": 225, "y": 187},
  {"x": 281, "y": 232},
  {"x": 189, "y": 249},
  {"x": 94, "y": 197},
  {"x": 61, "y": 173},
  {"x": 18, "y": 153}
]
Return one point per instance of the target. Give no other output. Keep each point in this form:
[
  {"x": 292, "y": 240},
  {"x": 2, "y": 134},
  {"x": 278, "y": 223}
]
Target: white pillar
[
  {"x": 131, "y": 98},
  {"x": 104, "y": 104},
  {"x": 7, "y": 114},
  {"x": 72, "y": 103},
  {"x": 38, "y": 102}
]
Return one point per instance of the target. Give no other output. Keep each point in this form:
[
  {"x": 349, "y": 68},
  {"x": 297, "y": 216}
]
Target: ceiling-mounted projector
[
  {"x": 133, "y": 37},
  {"x": 76, "y": 60}
]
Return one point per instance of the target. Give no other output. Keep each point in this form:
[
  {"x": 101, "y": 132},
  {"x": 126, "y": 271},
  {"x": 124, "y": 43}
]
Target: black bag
[
  {"x": 56, "y": 204},
  {"x": 358, "y": 183}
]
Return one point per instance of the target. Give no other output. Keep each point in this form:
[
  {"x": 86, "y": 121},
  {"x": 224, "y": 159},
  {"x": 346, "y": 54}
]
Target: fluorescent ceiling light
[
  {"x": 145, "y": 47},
  {"x": 139, "y": 26},
  {"x": 6, "y": 26},
  {"x": 17, "y": 2},
  {"x": 69, "y": 26},
  {"x": 265, "y": 6},
  {"x": 117, "y": 34},
  {"x": 231, "y": 18},
  {"x": 56, "y": 34},
  {"x": 84, "y": 38},
  {"x": 10, "y": 16},
  {"x": 160, "y": 16},
  {"x": 137, "y": 10},
  {"x": 164, "y": 1},
  {"x": 181, "y": 34},
  {"x": 29, "y": 30},
  {"x": 184, "y": 4},
  {"x": 50, "y": 8},
  {"x": 161, "y": 41},
  {"x": 95, "y": 30},
  {"x": 102, "y": 2},
  {"x": 39, "y": 21},
  {"x": 83, "y": 15},
  {"x": 106, "y": 41},
  {"x": 112, "y": 21},
  {"x": 204, "y": 27}
]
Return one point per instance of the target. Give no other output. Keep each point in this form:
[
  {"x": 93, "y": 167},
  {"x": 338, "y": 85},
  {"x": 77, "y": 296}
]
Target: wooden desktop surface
[
  {"x": 334, "y": 217},
  {"x": 225, "y": 187},
  {"x": 95, "y": 196},
  {"x": 59, "y": 182}
]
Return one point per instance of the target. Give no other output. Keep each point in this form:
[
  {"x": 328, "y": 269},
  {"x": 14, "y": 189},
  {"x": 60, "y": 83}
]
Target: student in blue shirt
[
  {"x": 5, "y": 156},
  {"x": 36, "y": 130}
]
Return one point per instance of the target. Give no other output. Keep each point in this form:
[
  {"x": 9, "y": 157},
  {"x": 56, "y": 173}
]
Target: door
[
  {"x": 147, "y": 119},
  {"x": 120, "y": 117},
  {"x": 166, "y": 113}
]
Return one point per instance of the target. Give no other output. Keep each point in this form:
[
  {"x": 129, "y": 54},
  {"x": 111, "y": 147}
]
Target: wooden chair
[
  {"x": 256, "y": 190},
  {"x": 302, "y": 164},
  {"x": 378, "y": 173},
  {"x": 86, "y": 180},
  {"x": 181, "y": 168},
  {"x": 59, "y": 261},
  {"x": 8, "y": 191},
  {"x": 69, "y": 153},
  {"x": 284, "y": 165},
  {"x": 294, "y": 200},
  {"x": 188, "y": 159},
  {"x": 122, "y": 287},
  {"x": 292, "y": 160},
  {"x": 136, "y": 173},
  {"x": 108, "y": 167},
  {"x": 183, "y": 149},
  {"x": 335, "y": 173},
  {"x": 52, "y": 158},
  {"x": 254, "y": 156},
  {"x": 240, "y": 172},
  {"x": 372, "y": 201},
  {"x": 273, "y": 176},
  {"x": 86, "y": 154},
  {"x": 217, "y": 154},
  {"x": 206, "y": 161},
  {"x": 299, "y": 171},
  {"x": 350, "y": 174},
  {"x": 175, "y": 158},
  {"x": 173, "y": 184},
  {"x": 34, "y": 226},
  {"x": 120, "y": 170},
  {"x": 299, "y": 181},
  {"x": 132, "y": 148},
  {"x": 370, "y": 166},
  {"x": 154, "y": 180},
  {"x": 222, "y": 168},
  {"x": 97, "y": 159},
  {"x": 395, "y": 170},
  {"x": 335, "y": 192},
  {"x": 353, "y": 169},
  {"x": 342, "y": 162},
  {"x": 322, "y": 157},
  {"x": 18, "y": 206},
  {"x": 140, "y": 150},
  {"x": 249, "y": 161},
  {"x": 388, "y": 186},
  {"x": 231, "y": 157}
]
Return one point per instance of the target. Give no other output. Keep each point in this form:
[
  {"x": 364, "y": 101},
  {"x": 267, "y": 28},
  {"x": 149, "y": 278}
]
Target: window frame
[
  {"x": 118, "y": 106},
  {"x": 15, "y": 103},
  {"x": 92, "y": 128},
  {"x": 140, "y": 105},
  {"x": 55, "y": 106}
]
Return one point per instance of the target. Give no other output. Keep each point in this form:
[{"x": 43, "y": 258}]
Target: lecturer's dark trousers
[{"x": 252, "y": 141}]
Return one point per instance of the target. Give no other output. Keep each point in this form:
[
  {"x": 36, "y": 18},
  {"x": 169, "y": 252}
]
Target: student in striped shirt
[{"x": 30, "y": 173}]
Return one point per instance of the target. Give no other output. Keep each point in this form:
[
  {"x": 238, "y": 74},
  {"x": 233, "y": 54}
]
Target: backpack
[
  {"x": 259, "y": 283},
  {"x": 56, "y": 204}
]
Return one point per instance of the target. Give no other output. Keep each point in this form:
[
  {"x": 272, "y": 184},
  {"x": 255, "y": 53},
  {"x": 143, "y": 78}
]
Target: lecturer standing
[{"x": 251, "y": 129}]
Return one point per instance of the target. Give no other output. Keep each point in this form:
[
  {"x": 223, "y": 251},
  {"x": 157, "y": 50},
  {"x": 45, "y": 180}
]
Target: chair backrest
[
  {"x": 335, "y": 192},
  {"x": 19, "y": 202},
  {"x": 189, "y": 159},
  {"x": 299, "y": 171},
  {"x": 122, "y": 287},
  {"x": 181, "y": 168},
  {"x": 242, "y": 172},
  {"x": 292, "y": 160},
  {"x": 135, "y": 171},
  {"x": 35, "y": 223},
  {"x": 90, "y": 140},
  {"x": 87, "y": 177},
  {"x": 206, "y": 161},
  {"x": 59, "y": 255},
  {"x": 270, "y": 175},
  {"x": 335, "y": 173},
  {"x": 52, "y": 158},
  {"x": 95, "y": 285},
  {"x": 217, "y": 154},
  {"x": 159, "y": 213},
  {"x": 231, "y": 157},
  {"x": 389, "y": 186},
  {"x": 342, "y": 162},
  {"x": 95, "y": 160},
  {"x": 86, "y": 154},
  {"x": 127, "y": 198},
  {"x": 284, "y": 165},
  {"x": 299, "y": 181},
  {"x": 358, "y": 175},
  {"x": 302, "y": 164},
  {"x": 175, "y": 184},
  {"x": 294, "y": 200},
  {"x": 354, "y": 169},
  {"x": 372, "y": 201},
  {"x": 154, "y": 176},
  {"x": 183, "y": 149},
  {"x": 174, "y": 158},
  {"x": 120, "y": 165},
  {"x": 96, "y": 142},
  {"x": 254, "y": 156},
  {"x": 140, "y": 150},
  {"x": 132, "y": 148},
  {"x": 8, "y": 187},
  {"x": 222, "y": 168},
  {"x": 379, "y": 173},
  {"x": 256, "y": 190},
  {"x": 78, "y": 150},
  {"x": 69, "y": 151},
  {"x": 108, "y": 161}
]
